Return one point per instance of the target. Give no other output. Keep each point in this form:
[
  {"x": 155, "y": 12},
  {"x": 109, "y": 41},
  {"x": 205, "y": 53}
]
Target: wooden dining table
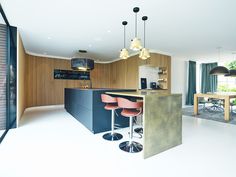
[{"x": 226, "y": 96}]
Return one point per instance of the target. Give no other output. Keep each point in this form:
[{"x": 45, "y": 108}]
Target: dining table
[{"x": 225, "y": 96}]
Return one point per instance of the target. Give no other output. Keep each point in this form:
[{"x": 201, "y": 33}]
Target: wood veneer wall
[
  {"x": 21, "y": 78},
  {"x": 42, "y": 89}
]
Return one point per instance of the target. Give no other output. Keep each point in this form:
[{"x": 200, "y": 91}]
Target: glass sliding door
[
  {"x": 3, "y": 75},
  {"x": 8, "y": 65}
]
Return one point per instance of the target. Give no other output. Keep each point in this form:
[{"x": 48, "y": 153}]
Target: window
[
  {"x": 226, "y": 84},
  {"x": 8, "y": 40}
]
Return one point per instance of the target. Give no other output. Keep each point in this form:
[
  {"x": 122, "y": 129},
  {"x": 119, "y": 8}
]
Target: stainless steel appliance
[{"x": 153, "y": 85}]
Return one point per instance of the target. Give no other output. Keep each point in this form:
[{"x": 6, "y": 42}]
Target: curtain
[
  {"x": 208, "y": 82},
  {"x": 191, "y": 82}
]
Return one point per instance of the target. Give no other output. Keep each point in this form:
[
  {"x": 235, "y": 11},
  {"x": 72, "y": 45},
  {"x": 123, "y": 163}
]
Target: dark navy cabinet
[{"x": 86, "y": 106}]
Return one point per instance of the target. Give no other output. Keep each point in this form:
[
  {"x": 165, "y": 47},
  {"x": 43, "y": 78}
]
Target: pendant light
[
  {"x": 135, "y": 43},
  {"x": 124, "y": 53},
  {"x": 219, "y": 70},
  {"x": 144, "y": 53}
]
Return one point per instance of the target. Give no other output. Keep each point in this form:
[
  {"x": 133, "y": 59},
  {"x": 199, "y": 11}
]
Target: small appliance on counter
[
  {"x": 143, "y": 83},
  {"x": 153, "y": 85}
]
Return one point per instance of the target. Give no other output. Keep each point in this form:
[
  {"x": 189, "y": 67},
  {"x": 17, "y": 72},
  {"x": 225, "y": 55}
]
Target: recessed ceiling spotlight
[
  {"x": 49, "y": 38},
  {"x": 109, "y": 31}
]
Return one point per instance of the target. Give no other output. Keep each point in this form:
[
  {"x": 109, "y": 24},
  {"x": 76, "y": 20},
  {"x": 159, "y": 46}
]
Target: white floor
[{"x": 50, "y": 142}]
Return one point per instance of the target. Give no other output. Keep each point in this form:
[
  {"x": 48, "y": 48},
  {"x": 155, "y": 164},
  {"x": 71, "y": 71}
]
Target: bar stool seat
[
  {"x": 130, "y": 109},
  {"x": 111, "y": 104},
  {"x": 111, "y": 107},
  {"x": 130, "y": 112}
]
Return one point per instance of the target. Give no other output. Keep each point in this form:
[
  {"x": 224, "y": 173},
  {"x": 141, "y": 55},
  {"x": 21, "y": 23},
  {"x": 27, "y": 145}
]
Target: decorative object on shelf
[
  {"x": 162, "y": 72},
  {"x": 162, "y": 80},
  {"x": 144, "y": 53},
  {"x": 136, "y": 42},
  {"x": 124, "y": 53}
]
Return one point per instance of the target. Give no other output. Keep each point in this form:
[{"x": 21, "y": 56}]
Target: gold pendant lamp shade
[
  {"x": 136, "y": 42},
  {"x": 144, "y": 53},
  {"x": 124, "y": 53}
]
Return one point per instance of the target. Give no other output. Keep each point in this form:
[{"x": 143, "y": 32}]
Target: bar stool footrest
[
  {"x": 131, "y": 147},
  {"x": 112, "y": 137}
]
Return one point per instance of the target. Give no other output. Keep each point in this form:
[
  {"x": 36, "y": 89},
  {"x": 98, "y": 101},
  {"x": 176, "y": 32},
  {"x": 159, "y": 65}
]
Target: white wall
[{"x": 179, "y": 77}]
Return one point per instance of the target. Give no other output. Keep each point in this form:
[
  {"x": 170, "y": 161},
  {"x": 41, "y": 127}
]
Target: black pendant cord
[
  {"x": 144, "y": 38},
  {"x": 136, "y": 10},
  {"x": 144, "y": 18},
  {"x": 124, "y": 36},
  {"x": 124, "y": 23},
  {"x": 135, "y": 24}
]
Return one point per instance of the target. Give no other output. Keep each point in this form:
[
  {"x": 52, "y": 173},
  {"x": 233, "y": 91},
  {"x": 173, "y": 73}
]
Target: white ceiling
[{"x": 189, "y": 29}]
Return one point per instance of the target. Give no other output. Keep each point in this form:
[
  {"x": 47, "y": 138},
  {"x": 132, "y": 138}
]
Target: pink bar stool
[
  {"x": 111, "y": 104},
  {"x": 130, "y": 109}
]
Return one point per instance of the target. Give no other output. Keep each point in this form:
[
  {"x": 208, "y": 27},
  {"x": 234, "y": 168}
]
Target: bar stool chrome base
[
  {"x": 112, "y": 137},
  {"x": 131, "y": 147},
  {"x": 139, "y": 130}
]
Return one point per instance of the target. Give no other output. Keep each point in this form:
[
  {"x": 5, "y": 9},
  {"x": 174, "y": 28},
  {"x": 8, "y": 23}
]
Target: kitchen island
[{"x": 162, "y": 115}]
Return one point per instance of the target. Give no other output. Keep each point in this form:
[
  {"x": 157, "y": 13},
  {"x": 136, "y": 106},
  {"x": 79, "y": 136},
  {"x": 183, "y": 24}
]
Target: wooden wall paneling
[
  {"x": 143, "y": 62},
  {"x": 94, "y": 75},
  {"x": 42, "y": 89},
  {"x": 31, "y": 81},
  {"x": 21, "y": 77},
  {"x": 132, "y": 73},
  {"x": 120, "y": 74},
  {"x": 112, "y": 73},
  {"x": 100, "y": 76},
  {"x": 154, "y": 60}
]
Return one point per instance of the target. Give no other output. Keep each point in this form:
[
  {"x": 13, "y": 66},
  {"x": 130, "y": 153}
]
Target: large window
[
  {"x": 8, "y": 40},
  {"x": 3, "y": 74},
  {"x": 226, "y": 84}
]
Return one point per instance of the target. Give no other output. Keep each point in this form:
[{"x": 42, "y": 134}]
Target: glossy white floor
[{"x": 50, "y": 142}]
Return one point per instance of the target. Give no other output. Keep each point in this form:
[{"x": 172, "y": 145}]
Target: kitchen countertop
[{"x": 139, "y": 93}]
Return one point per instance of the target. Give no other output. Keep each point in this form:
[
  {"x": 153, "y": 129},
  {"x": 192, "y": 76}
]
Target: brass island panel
[
  {"x": 162, "y": 120},
  {"x": 162, "y": 123}
]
